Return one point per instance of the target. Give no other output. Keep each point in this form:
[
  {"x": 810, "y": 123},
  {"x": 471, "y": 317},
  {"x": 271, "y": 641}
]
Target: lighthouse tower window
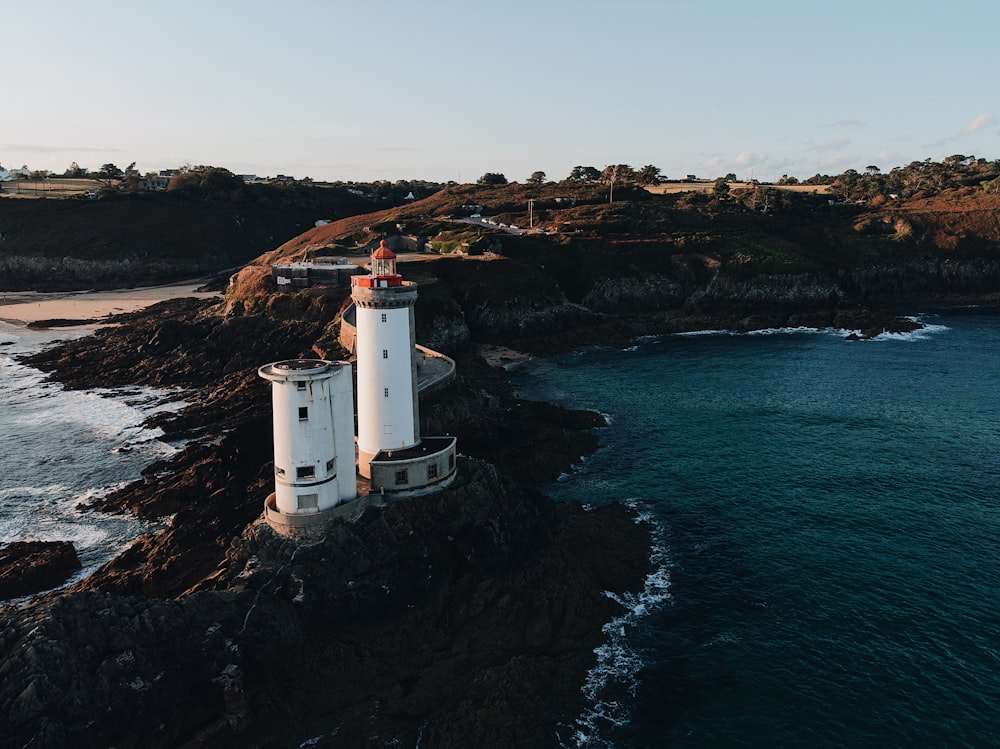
[
  {"x": 308, "y": 501},
  {"x": 305, "y": 472},
  {"x": 385, "y": 353},
  {"x": 384, "y": 317},
  {"x": 303, "y": 413},
  {"x": 300, "y": 385},
  {"x": 386, "y": 392}
]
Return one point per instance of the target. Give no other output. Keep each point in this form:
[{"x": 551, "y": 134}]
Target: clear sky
[{"x": 443, "y": 90}]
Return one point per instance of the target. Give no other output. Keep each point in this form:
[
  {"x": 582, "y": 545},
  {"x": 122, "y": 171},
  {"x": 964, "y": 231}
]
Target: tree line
[{"x": 917, "y": 178}]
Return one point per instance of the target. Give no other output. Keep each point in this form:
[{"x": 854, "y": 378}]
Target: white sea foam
[
  {"x": 927, "y": 330},
  {"x": 692, "y": 333},
  {"x": 920, "y": 334},
  {"x": 50, "y": 513},
  {"x": 611, "y": 683},
  {"x": 782, "y": 331},
  {"x": 63, "y": 448}
]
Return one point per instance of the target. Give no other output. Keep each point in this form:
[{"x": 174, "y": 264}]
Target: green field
[{"x": 51, "y": 187}]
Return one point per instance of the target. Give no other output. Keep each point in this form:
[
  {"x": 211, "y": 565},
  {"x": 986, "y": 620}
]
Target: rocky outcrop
[
  {"x": 653, "y": 291},
  {"x": 923, "y": 280},
  {"x": 783, "y": 293},
  {"x": 28, "y": 567},
  {"x": 431, "y": 621},
  {"x": 145, "y": 239}
]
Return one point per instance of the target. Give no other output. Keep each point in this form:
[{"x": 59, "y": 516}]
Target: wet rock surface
[
  {"x": 28, "y": 567},
  {"x": 432, "y": 620}
]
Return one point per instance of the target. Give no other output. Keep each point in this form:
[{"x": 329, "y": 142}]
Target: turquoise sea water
[{"x": 827, "y": 519}]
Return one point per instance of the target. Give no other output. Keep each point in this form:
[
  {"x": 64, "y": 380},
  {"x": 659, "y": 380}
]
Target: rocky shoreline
[{"x": 429, "y": 620}]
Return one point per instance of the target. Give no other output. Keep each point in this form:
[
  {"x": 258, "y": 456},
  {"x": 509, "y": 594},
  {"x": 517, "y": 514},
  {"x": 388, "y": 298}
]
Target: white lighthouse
[
  {"x": 391, "y": 452},
  {"x": 314, "y": 472},
  {"x": 387, "y": 389}
]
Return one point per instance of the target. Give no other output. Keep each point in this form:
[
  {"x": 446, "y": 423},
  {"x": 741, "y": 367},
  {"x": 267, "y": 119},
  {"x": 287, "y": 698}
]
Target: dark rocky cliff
[
  {"x": 147, "y": 239},
  {"x": 429, "y": 622},
  {"x": 433, "y": 620}
]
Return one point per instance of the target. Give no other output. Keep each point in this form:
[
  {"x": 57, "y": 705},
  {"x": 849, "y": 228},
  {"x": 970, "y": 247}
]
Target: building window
[
  {"x": 330, "y": 464},
  {"x": 384, "y": 317},
  {"x": 305, "y": 472},
  {"x": 432, "y": 471},
  {"x": 385, "y": 392},
  {"x": 303, "y": 413},
  {"x": 308, "y": 501},
  {"x": 387, "y": 429},
  {"x": 385, "y": 353},
  {"x": 402, "y": 476},
  {"x": 279, "y": 471},
  {"x": 300, "y": 385}
]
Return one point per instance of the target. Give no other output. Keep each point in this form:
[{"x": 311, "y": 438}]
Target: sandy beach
[{"x": 91, "y": 308}]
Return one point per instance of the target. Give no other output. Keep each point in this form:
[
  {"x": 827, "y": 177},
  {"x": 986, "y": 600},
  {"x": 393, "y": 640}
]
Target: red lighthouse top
[
  {"x": 383, "y": 270},
  {"x": 383, "y": 252}
]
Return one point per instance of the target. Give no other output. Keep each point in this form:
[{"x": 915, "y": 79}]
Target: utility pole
[{"x": 531, "y": 215}]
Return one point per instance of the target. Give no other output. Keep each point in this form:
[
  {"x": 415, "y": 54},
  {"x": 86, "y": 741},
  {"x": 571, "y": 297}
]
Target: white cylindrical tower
[
  {"x": 313, "y": 408},
  {"x": 388, "y": 417}
]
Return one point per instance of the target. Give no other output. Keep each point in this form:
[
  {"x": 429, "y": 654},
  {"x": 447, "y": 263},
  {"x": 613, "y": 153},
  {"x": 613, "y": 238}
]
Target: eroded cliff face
[
  {"x": 421, "y": 622},
  {"x": 924, "y": 279}
]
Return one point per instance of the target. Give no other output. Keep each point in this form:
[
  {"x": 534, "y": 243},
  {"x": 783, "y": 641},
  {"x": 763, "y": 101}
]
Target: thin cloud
[
  {"x": 973, "y": 126},
  {"x": 889, "y": 157},
  {"x": 834, "y": 144},
  {"x": 746, "y": 160},
  {"x": 846, "y": 123},
  {"x": 836, "y": 161},
  {"x": 977, "y": 123},
  {"x": 36, "y": 148}
]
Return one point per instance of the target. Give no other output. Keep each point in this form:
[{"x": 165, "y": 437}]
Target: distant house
[
  {"x": 154, "y": 183},
  {"x": 5, "y": 175}
]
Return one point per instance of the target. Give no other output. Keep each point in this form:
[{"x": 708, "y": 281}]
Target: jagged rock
[
  {"x": 427, "y": 618},
  {"x": 28, "y": 567}
]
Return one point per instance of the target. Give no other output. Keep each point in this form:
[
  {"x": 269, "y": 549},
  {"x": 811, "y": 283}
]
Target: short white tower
[
  {"x": 388, "y": 418},
  {"x": 313, "y": 410}
]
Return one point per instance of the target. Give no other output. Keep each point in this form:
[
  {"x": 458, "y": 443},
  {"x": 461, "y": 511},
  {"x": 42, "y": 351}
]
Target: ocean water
[
  {"x": 61, "y": 448},
  {"x": 827, "y": 536}
]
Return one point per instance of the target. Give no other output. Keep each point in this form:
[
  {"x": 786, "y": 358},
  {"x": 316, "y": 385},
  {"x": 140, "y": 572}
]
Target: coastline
[{"x": 88, "y": 309}]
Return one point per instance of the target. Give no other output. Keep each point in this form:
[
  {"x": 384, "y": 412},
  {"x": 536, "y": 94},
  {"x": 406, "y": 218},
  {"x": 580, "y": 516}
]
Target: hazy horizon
[{"x": 393, "y": 90}]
